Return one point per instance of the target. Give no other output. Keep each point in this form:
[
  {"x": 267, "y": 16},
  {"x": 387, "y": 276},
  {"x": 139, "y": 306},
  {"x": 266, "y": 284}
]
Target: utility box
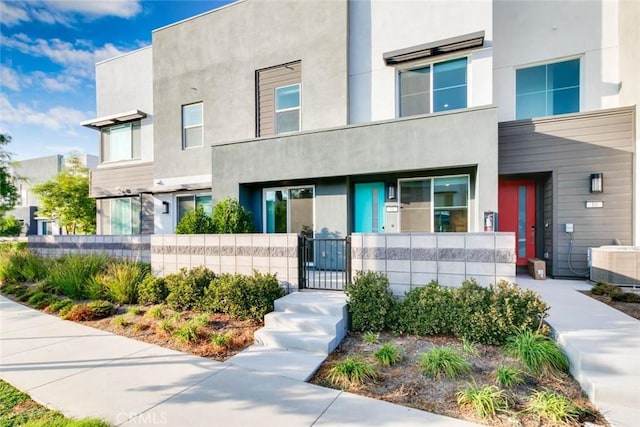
[
  {"x": 537, "y": 268},
  {"x": 391, "y": 212}
]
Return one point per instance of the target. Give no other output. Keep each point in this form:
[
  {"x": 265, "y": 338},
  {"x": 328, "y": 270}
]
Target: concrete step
[
  {"x": 323, "y": 303},
  {"x": 305, "y": 322},
  {"x": 314, "y": 343},
  {"x": 620, "y": 416},
  {"x": 605, "y": 389},
  {"x": 295, "y": 364},
  {"x": 612, "y": 358}
]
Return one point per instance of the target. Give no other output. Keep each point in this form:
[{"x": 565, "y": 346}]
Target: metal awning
[
  {"x": 453, "y": 44},
  {"x": 114, "y": 119}
]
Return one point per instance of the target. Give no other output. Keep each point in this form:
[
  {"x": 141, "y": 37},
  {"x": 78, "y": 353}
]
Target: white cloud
[
  {"x": 9, "y": 78},
  {"x": 62, "y": 119},
  {"x": 65, "y": 149},
  {"x": 65, "y": 12}
]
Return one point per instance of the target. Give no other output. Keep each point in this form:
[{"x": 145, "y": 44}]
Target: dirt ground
[
  {"x": 629, "y": 308},
  {"x": 405, "y": 385}
]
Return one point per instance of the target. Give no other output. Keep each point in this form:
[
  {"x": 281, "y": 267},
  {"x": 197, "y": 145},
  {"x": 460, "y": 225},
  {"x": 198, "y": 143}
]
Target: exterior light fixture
[
  {"x": 165, "y": 207},
  {"x": 391, "y": 191},
  {"x": 597, "y": 182}
]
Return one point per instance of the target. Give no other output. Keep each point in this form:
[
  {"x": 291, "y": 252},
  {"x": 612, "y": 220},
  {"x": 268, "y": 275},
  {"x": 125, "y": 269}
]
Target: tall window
[
  {"x": 547, "y": 90},
  {"x": 434, "y": 204},
  {"x": 192, "y": 125},
  {"x": 288, "y": 210},
  {"x": 120, "y": 216},
  {"x": 121, "y": 142},
  {"x": 438, "y": 87},
  {"x": 287, "y": 108},
  {"x": 190, "y": 202}
]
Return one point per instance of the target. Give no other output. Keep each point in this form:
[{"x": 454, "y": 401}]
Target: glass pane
[
  {"x": 415, "y": 92},
  {"x": 414, "y": 104},
  {"x": 522, "y": 221},
  {"x": 193, "y": 137},
  {"x": 120, "y": 142},
  {"x": 450, "y": 73},
  {"x": 185, "y": 204},
  {"x": 450, "y": 99},
  {"x": 192, "y": 115},
  {"x": 450, "y": 191},
  {"x": 532, "y": 105},
  {"x": 121, "y": 216},
  {"x": 136, "y": 151},
  {"x": 205, "y": 202},
  {"x": 287, "y": 97},
  {"x": 450, "y": 220},
  {"x": 415, "y": 206},
  {"x": 288, "y": 121},
  {"x": 276, "y": 211},
  {"x": 563, "y": 101},
  {"x": 563, "y": 74},
  {"x": 532, "y": 79},
  {"x": 135, "y": 215},
  {"x": 301, "y": 210}
]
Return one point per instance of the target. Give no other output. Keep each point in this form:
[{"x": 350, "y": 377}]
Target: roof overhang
[
  {"x": 441, "y": 47},
  {"x": 114, "y": 119}
]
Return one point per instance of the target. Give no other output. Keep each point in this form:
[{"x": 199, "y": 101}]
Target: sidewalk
[
  {"x": 85, "y": 372},
  {"x": 603, "y": 346}
]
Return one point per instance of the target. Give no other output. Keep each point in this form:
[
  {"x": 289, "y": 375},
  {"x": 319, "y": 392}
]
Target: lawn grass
[{"x": 18, "y": 409}]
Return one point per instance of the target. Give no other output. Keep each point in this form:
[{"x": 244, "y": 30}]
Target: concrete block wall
[
  {"x": 412, "y": 260},
  {"x": 618, "y": 265},
  {"x": 228, "y": 253},
  {"x": 131, "y": 247}
]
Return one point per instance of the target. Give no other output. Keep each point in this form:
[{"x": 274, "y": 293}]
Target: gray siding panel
[
  {"x": 112, "y": 181},
  {"x": 571, "y": 147}
]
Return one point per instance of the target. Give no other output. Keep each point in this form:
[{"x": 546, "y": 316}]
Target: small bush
[
  {"x": 626, "y": 297},
  {"x": 186, "y": 287},
  {"x": 71, "y": 274},
  {"x": 508, "y": 377},
  {"x": 152, "y": 290},
  {"x": 41, "y": 300},
  {"x": 135, "y": 311},
  {"x": 155, "y": 312},
  {"x": 196, "y": 221},
  {"x": 444, "y": 361},
  {"x": 427, "y": 310},
  {"x": 221, "y": 340},
  {"x": 370, "y": 301},
  {"x": 185, "y": 333},
  {"x": 101, "y": 309},
  {"x": 371, "y": 337},
  {"x": 59, "y": 305},
  {"x": 120, "y": 322},
  {"x": 537, "y": 352},
  {"x": 350, "y": 371},
  {"x": 121, "y": 280},
  {"x": 230, "y": 217},
  {"x": 18, "y": 264},
  {"x": 34, "y": 267},
  {"x": 15, "y": 289},
  {"x": 65, "y": 309},
  {"x": 79, "y": 312},
  {"x": 10, "y": 226},
  {"x": 603, "y": 288},
  {"x": 552, "y": 407},
  {"x": 389, "y": 354},
  {"x": 487, "y": 401}
]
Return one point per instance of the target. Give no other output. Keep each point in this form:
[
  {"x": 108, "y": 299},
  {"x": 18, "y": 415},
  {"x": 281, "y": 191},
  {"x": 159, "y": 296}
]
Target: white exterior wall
[
  {"x": 532, "y": 32},
  {"x": 378, "y": 26},
  {"x": 125, "y": 83}
]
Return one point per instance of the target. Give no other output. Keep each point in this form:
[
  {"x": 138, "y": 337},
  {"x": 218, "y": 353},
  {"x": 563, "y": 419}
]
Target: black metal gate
[{"x": 324, "y": 263}]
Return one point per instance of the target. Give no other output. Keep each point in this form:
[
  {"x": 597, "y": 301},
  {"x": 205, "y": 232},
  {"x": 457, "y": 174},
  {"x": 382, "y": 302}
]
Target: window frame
[
  {"x": 433, "y": 206},
  {"x": 431, "y": 64},
  {"x": 135, "y": 127},
  {"x": 134, "y": 220},
  {"x": 546, "y": 63},
  {"x": 288, "y": 190},
  {"x": 194, "y": 197},
  {"x": 285, "y": 110},
  {"x": 187, "y": 127}
]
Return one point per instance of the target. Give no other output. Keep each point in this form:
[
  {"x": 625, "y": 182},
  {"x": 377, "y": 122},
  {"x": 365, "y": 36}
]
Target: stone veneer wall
[
  {"x": 411, "y": 260},
  {"x": 228, "y": 253},
  {"x": 133, "y": 247},
  {"x": 618, "y": 265}
]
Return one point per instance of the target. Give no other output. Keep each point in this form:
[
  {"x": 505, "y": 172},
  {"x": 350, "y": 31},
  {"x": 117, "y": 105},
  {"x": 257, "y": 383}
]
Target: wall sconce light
[
  {"x": 165, "y": 207},
  {"x": 391, "y": 191},
  {"x": 597, "y": 182}
]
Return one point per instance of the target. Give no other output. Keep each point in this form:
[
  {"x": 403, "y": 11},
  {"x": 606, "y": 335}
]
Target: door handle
[{"x": 533, "y": 234}]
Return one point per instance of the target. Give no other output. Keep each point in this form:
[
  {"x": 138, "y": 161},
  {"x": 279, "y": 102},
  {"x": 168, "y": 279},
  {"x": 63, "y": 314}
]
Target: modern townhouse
[{"x": 340, "y": 117}]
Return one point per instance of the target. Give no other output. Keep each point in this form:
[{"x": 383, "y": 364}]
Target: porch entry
[
  {"x": 517, "y": 210},
  {"x": 324, "y": 263},
  {"x": 369, "y": 207}
]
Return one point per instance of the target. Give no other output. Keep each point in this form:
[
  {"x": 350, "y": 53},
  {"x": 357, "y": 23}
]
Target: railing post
[
  {"x": 301, "y": 262},
  {"x": 347, "y": 250}
]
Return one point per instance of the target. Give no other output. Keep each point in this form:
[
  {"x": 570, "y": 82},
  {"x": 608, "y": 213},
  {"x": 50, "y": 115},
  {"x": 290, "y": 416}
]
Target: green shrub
[
  {"x": 186, "y": 332},
  {"x": 10, "y": 226},
  {"x": 508, "y": 377},
  {"x": 230, "y": 217},
  {"x": 34, "y": 267},
  {"x": 155, "y": 312},
  {"x": 603, "y": 288},
  {"x": 121, "y": 280},
  {"x": 72, "y": 274},
  {"x": 134, "y": 311},
  {"x": 444, "y": 360},
  {"x": 388, "y": 354},
  {"x": 186, "y": 288},
  {"x": 552, "y": 407},
  {"x": 371, "y": 337},
  {"x": 537, "y": 352},
  {"x": 152, "y": 290},
  {"x": 469, "y": 348},
  {"x": 196, "y": 221},
  {"x": 12, "y": 261},
  {"x": 221, "y": 340},
  {"x": 59, "y": 305},
  {"x": 626, "y": 297},
  {"x": 487, "y": 401},
  {"x": 370, "y": 301},
  {"x": 101, "y": 309},
  {"x": 41, "y": 300},
  {"x": 351, "y": 370},
  {"x": 427, "y": 310},
  {"x": 15, "y": 289},
  {"x": 120, "y": 322}
]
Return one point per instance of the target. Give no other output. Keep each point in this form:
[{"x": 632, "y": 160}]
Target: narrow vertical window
[
  {"x": 192, "y": 125},
  {"x": 287, "y": 108}
]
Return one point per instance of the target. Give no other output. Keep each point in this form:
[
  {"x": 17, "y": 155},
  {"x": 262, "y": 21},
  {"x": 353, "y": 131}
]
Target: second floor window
[
  {"x": 547, "y": 90},
  {"x": 121, "y": 142},
  {"x": 287, "y": 102},
  {"x": 192, "y": 125},
  {"x": 437, "y": 87}
]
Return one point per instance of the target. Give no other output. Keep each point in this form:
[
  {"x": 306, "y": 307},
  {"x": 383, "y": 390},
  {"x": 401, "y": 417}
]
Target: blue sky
[{"x": 48, "y": 49}]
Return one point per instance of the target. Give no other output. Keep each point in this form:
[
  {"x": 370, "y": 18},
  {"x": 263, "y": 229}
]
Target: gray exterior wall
[
  {"x": 213, "y": 58},
  {"x": 438, "y": 141},
  {"x": 571, "y": 147},
  {"x": 115, "y": 181}
]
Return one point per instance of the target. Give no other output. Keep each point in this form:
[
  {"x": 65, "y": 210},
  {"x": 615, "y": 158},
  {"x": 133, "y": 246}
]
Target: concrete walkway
[
  {"x": 84, "y": 372},
  {"x": 603, "y": 346}
]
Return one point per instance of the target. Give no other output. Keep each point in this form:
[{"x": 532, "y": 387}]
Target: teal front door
[{"x": 369, "y": 207}]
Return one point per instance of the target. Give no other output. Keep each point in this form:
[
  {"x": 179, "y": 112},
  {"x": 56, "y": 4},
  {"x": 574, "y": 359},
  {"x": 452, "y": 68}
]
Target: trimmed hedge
[
  {"x": 370, "y": 301},
  {"x": 186, "y": 287}
]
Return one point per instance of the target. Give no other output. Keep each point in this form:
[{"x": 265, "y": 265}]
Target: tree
[
  {"x": 229, "y": 217},
  {"x": 65, "y": 198},
  {"x": 195, "y": 222},
  {"x": 8, "y": 190}
]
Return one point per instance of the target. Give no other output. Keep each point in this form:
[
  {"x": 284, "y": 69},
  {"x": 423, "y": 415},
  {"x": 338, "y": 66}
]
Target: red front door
[{"x": 517, "y": 213}]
